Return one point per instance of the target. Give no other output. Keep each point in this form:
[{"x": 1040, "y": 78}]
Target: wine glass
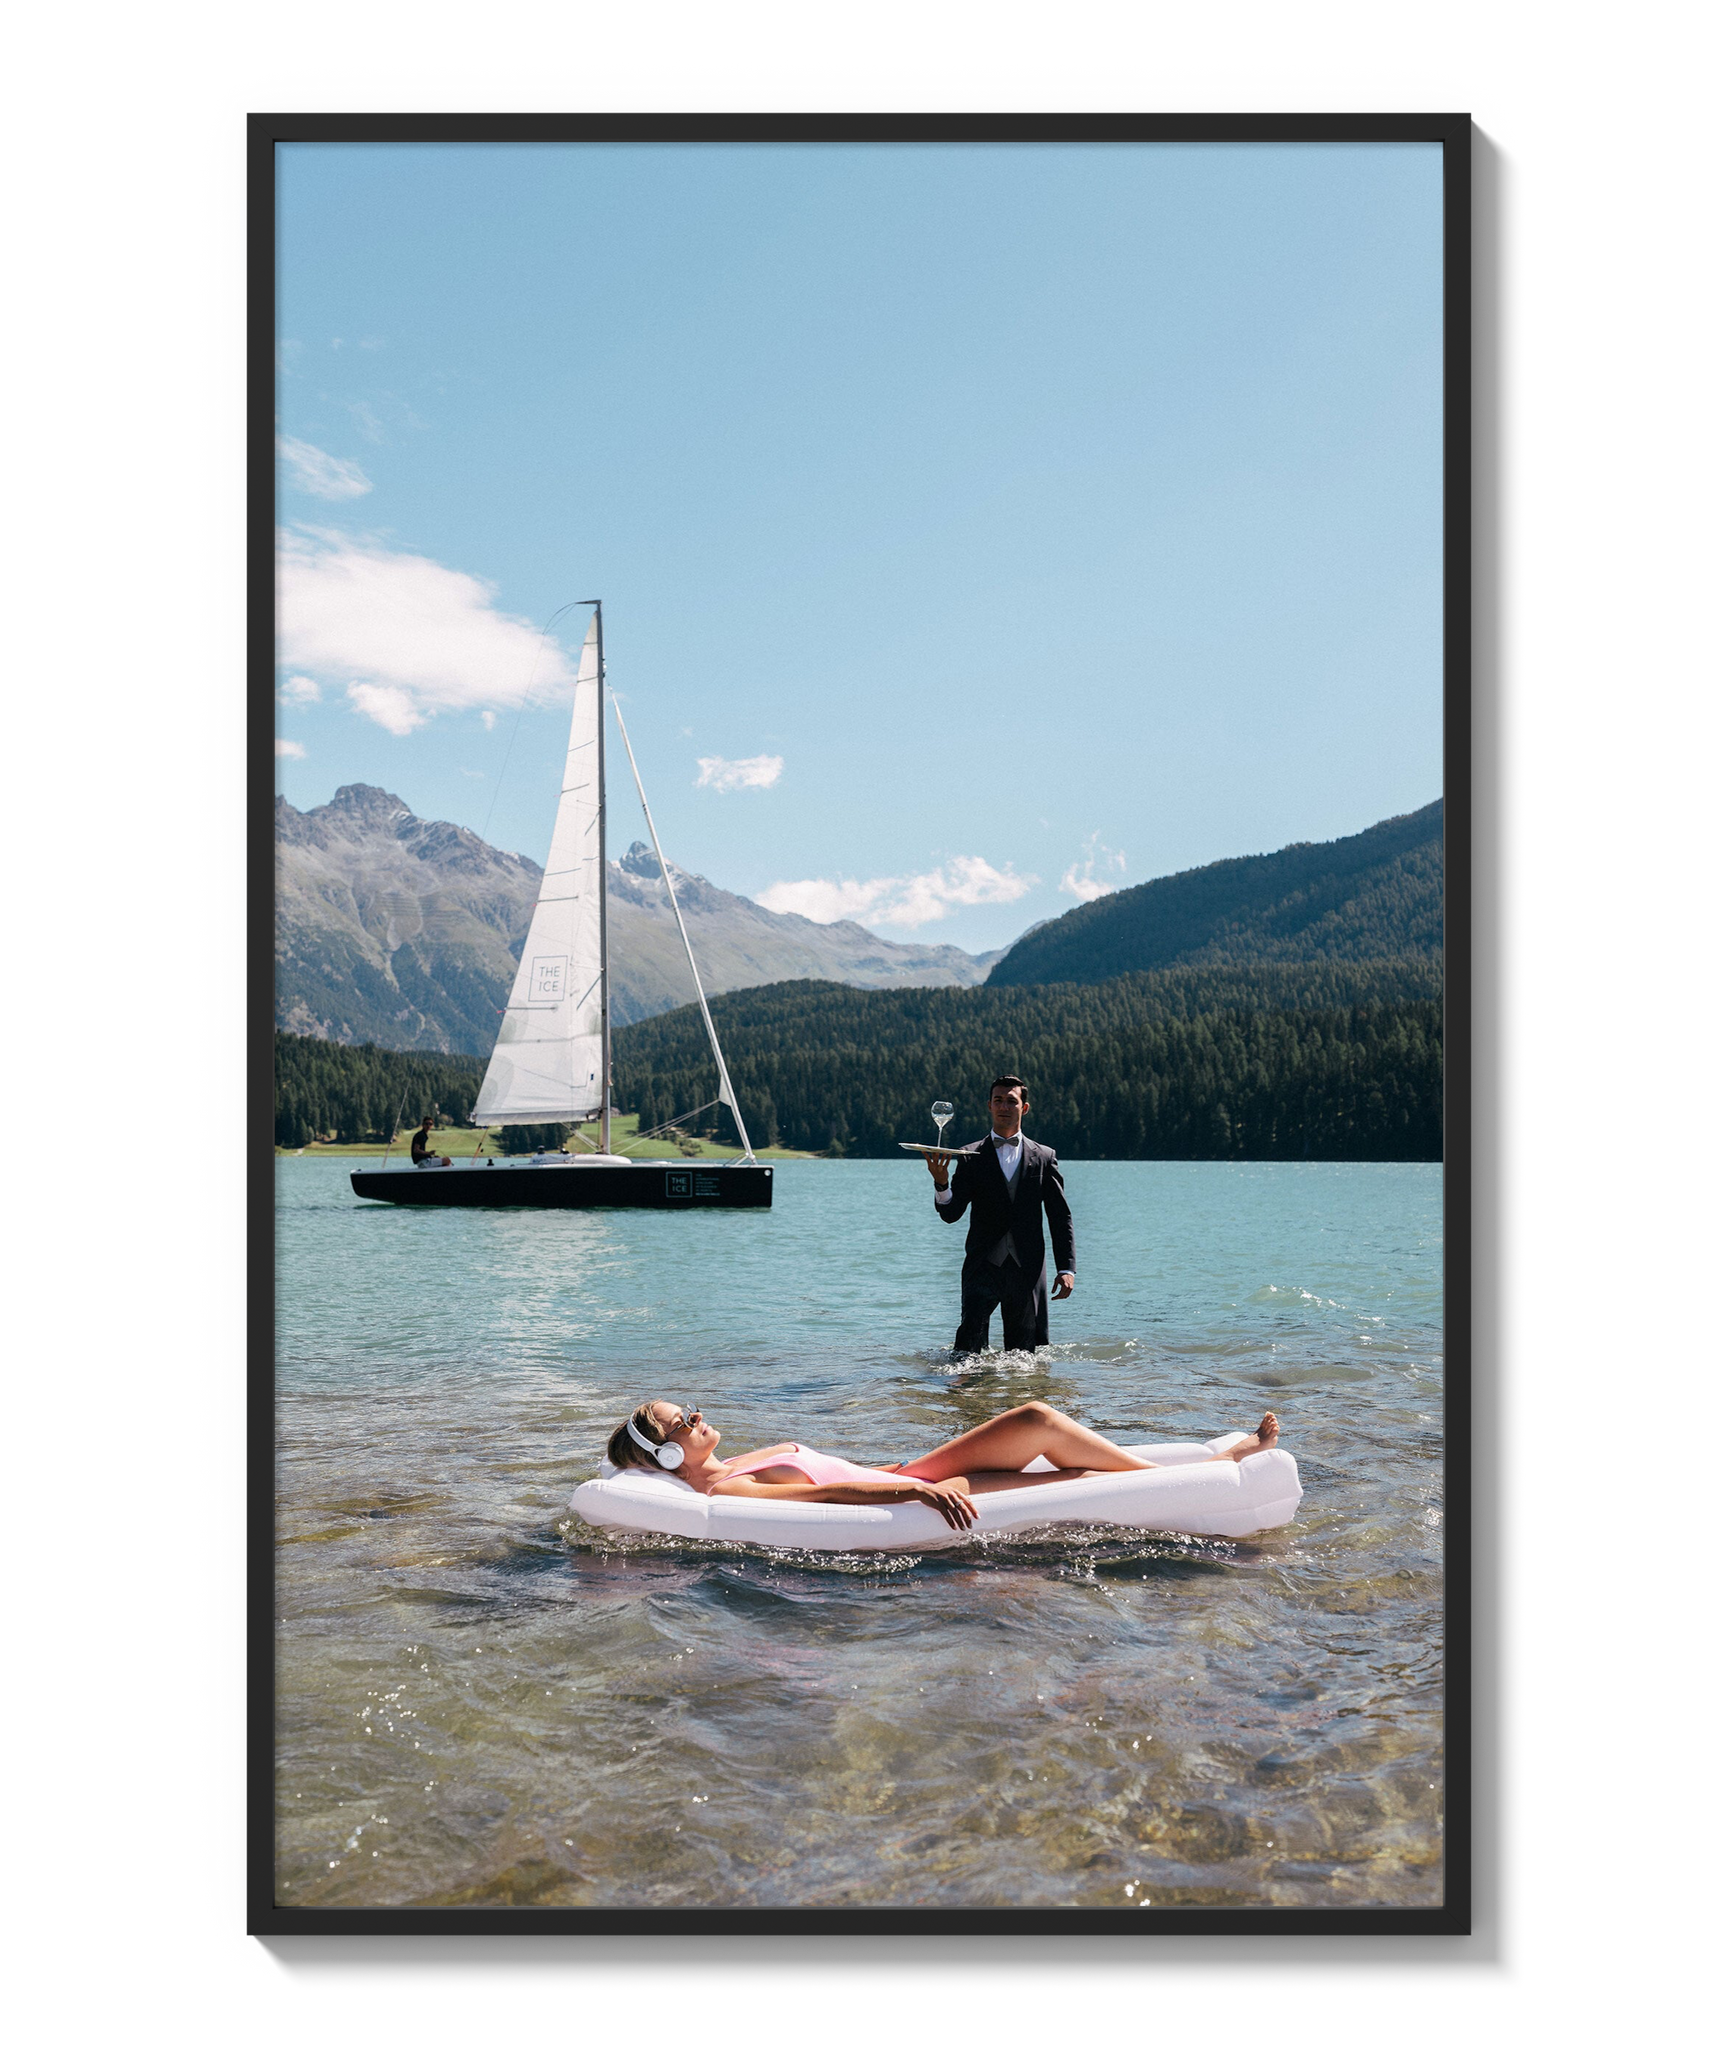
[{"x": 940, "y": 1114}]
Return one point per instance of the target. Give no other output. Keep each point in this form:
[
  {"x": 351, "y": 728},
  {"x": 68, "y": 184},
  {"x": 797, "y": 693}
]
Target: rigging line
[
  {"x": 519, "y": 719},
  {"x": 393, "y": 1128},
  {"x": 656, "y": 1130},
  {"x": 727, "y": 1086}
]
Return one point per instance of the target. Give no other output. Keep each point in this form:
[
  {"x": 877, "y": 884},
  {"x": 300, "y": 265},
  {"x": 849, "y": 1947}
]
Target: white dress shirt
[{"x": 1009, "y": 1152}]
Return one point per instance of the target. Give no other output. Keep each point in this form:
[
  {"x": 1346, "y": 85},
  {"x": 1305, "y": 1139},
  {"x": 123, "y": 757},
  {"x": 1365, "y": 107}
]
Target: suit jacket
[{"x": 980, "y": 1187}]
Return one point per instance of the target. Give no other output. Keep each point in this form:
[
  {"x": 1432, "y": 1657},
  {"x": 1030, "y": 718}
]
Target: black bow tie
[{"x": 996, "y": 1138}]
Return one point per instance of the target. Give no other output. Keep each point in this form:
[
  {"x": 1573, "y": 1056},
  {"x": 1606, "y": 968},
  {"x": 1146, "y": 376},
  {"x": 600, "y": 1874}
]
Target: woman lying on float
[{"x": 988, "y": 1459}]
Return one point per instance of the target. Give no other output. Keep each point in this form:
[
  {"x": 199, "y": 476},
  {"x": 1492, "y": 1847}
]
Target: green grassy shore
[{"x": 454, "y": 1143}]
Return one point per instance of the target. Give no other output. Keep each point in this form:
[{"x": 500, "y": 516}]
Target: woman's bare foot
[{"x": 1264, "y": 1440}]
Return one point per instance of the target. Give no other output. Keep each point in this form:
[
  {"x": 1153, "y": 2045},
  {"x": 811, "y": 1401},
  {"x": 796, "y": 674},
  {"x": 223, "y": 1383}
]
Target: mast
[{"x": 602, "y": 884}]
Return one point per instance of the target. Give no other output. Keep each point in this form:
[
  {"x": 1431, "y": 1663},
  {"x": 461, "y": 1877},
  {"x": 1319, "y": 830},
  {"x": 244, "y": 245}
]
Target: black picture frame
[{"x": 1453, "y": 133}]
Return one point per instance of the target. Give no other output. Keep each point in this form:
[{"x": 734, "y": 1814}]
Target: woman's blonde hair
[{"x": 622, "y": 1451}]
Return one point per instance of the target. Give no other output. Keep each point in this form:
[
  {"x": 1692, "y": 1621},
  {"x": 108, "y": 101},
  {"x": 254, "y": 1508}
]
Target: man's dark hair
[{"x": 1009, "y": 1081}]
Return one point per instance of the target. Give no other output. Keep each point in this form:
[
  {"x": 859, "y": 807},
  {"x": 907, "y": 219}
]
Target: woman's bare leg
[
  {"x": 1000, "y": 1447},
  {"x": 1011, "y": 1440}
]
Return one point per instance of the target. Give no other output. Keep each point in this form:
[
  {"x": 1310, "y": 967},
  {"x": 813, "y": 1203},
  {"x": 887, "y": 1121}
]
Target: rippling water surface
[{"x": 484, "y": 1702}]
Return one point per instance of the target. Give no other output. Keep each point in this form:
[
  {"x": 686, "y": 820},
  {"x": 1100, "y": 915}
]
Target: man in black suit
[{"x": 1012, "y": 1188}]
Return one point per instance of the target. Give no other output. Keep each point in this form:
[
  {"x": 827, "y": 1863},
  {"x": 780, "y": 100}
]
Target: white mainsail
[{"x": 547, "y": 1066}]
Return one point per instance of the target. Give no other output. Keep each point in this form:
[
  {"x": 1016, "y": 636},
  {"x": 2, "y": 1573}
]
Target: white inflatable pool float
[{"x": 1186, "y": 1495}]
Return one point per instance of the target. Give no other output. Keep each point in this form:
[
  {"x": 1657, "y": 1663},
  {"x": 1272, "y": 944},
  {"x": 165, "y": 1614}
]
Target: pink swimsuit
[{"x": 816, "y": 1466}]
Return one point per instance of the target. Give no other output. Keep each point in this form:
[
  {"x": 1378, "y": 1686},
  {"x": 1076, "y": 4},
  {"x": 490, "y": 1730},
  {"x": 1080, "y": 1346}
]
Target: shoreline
[{"x": 460, "y": 1142}]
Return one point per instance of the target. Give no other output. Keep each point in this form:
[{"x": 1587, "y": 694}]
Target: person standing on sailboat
[{"x": 1012, "y": 1189}]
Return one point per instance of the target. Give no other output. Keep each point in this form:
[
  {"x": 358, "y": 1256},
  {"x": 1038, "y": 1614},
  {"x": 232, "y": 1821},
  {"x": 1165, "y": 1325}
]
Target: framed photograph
[{"x": 860, "y": 976}]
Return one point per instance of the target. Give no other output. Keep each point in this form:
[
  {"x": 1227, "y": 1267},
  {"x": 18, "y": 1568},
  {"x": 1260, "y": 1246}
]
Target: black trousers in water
[{"x": 1024, "y": 1303}]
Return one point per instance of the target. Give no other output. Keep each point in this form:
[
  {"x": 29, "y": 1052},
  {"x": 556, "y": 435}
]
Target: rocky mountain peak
[
  {"x": 290, "y": 828},
  {"x": 640, "y": 859},
  {"x": 357, "y": 812},
  {"x": 364, "y": 804}
]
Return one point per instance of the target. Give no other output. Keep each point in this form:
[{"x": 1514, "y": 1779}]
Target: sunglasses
[{"x": 688, "y": 1416}]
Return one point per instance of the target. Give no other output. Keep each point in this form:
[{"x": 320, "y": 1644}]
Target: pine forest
[{"x": 1329, "y": 1060}]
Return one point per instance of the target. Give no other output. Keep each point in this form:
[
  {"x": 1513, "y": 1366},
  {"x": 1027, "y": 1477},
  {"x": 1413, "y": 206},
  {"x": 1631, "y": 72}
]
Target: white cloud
[
  {"x": 756, "y": 771},
  {"x": 288, "y": 750},
  {"x": 1083, "y": 879},
  {"x": 321, "y": 474},
  {"x": 404, "y": 635},
  {"x": 907, "y": 900},
  {"x": 391, "y": 708},
  {"x": 488, "y": 718},
  {"x": 300, "y": 690}
]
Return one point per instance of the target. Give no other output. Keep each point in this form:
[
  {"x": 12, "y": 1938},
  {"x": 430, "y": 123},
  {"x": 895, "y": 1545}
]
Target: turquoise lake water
[{"x": 483, "y": 1701}]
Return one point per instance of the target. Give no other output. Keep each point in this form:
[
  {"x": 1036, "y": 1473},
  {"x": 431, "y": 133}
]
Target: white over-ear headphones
[{"x": 669, "y": 1456}]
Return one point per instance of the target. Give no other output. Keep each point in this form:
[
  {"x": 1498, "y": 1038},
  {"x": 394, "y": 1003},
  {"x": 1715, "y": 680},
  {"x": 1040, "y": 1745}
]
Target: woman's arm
[{"x": 948, "y": 1496}]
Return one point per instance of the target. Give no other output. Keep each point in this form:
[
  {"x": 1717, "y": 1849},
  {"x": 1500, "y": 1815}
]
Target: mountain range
[
  {"x": 1376, "y": 895},
  {"x": 405, "y": 932}
]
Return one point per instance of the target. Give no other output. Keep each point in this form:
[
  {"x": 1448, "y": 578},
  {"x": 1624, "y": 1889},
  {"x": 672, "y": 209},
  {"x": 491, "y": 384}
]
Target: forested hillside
[
  {"x": 1377, "y": 895},
  {"x": 349, "y": 1092},
  {"x": 1329, "y": 1061}
]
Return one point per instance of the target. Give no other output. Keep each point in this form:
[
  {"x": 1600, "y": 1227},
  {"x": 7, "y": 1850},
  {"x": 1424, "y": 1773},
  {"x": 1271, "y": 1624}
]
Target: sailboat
[{"x": 552, "y": 1060}]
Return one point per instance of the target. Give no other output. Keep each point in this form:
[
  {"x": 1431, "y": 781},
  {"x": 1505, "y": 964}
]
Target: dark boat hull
[{"x": 563, "y": 1184}]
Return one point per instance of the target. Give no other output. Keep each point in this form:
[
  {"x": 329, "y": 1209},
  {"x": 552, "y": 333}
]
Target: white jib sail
[{"x": 547, "y": 1064}]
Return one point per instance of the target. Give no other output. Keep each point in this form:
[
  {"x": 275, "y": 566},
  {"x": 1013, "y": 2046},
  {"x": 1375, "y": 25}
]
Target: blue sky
[{"x": 978, "y": 527}]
